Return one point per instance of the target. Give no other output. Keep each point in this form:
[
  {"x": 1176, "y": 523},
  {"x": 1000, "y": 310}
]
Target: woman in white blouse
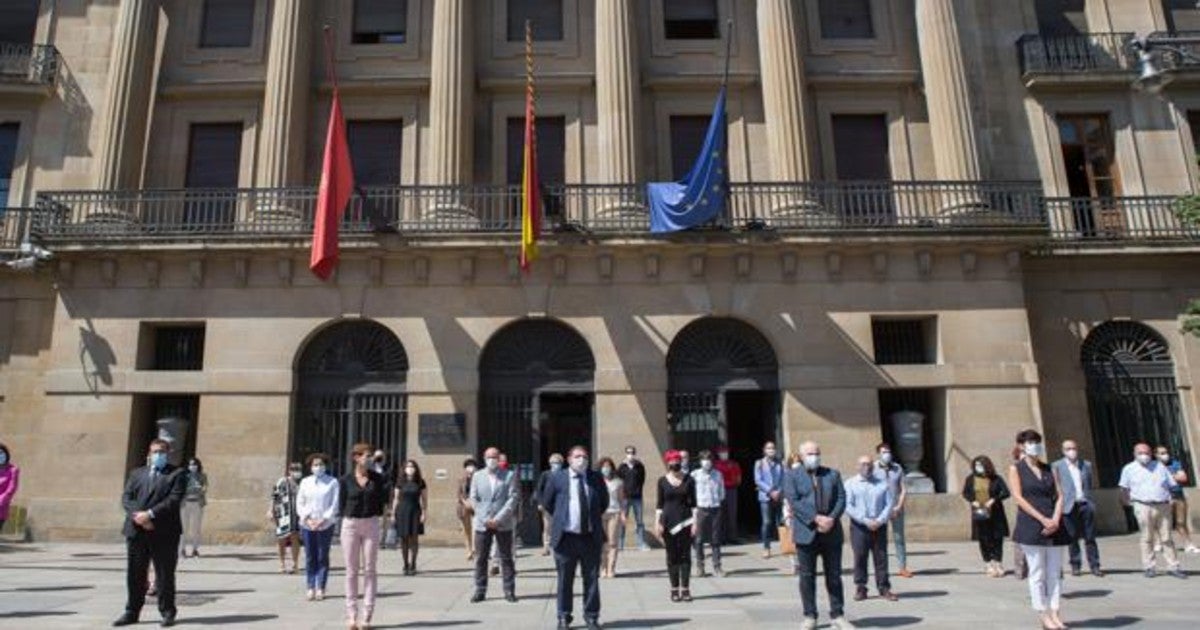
[{"x": 316, "y": 507}]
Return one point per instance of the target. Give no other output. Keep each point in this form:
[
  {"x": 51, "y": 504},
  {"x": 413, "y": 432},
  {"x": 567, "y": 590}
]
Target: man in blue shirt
[
  {"x": 1180, "y": 515},
  {"x": 869, "y": 506},
  {"x": 768, "y": 477}
]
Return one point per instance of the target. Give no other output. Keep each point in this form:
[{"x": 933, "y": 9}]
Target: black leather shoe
[
  {"x": 478, "y": 597},
  {"x": 1076, "y": 571},
  {"x": 564, "y": 623},
  {"x": 1097, "y": 573},
  {"x": 510, "y": 598},
  {"x": 860, "y": 594},
  {"x": 168, "y": 620},
  {"x": 127, "y": 619},
  {"x": 593, "y": 624}
]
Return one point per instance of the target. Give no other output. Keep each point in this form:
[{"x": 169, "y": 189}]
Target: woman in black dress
[
  {"x": 986, "y": 491},
  {"x": 1039, "y": 526},
  {"x": 410, "y": 499},
  {"x": 674, "y": 516}
]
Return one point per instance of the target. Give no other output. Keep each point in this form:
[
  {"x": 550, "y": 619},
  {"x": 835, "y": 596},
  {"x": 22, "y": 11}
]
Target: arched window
[
  {"x": 1131, "y": 395},
  {"x": 351, "y": 388}
]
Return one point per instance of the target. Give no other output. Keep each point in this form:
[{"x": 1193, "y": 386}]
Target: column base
[
  {"x": 802, "y": 213},
  {"x": 450, "y": 216},
  {"x": 272, "y": 215},
  {"x": 111, "y": 220},
  {"x": 620, "y": 214},
  {"x": 971, "y": 212},
  {"x": 918, "y": 483}
]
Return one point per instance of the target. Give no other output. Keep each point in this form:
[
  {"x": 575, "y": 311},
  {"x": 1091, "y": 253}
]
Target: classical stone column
[
  {"x": 948, "y": 99},
  {"x": 121, "y": 152},
  {"x": 285, "y": 109},
  {"x": 618, "y": 107},
  {"x": 789, "y": 129},
  {"x": 451, "y": 96}
]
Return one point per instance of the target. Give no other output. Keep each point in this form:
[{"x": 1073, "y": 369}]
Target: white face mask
[
  {"x": 193, "y": 469},
  {"x": 579, "y": 464},
  {"x": 470, "y": 470},
  {"x": 318, "y": 470},
  {"x": 812, "y": 462},
  {"x": 723, "y": 456},
  {"x": 797, "y": 465},
  {"x": 1072, "y": 454},
  {"x": 979, "y": 469},
  {"x": 629, "y": 457},
  {"x": 1165, "y": 458},
  {"x": 492, "y": 463},
  {"x": 1034, "y": 449},
  {"x": 1143, "y": 458},
  {"x": 606, "y": 471},
  {"x": 770, "y": 453},
  {"x": 410, "y": 471},
  {"x": 706, "y": 464},
  {"x": 885, "y": 457},
  {"x": 295, "y": 474}
]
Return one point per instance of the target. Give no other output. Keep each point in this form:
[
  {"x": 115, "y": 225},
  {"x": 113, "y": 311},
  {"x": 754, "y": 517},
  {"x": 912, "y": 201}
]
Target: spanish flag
[{"x": 531, "y": 197}]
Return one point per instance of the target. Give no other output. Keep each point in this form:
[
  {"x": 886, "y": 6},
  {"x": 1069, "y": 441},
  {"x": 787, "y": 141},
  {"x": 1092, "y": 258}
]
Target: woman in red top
[{"x": 731, "y": 471}]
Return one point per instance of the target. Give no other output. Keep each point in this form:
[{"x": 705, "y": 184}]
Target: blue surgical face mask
[
  {"x": 3, "y": 458},
  {"x": 158, "y": 460}
]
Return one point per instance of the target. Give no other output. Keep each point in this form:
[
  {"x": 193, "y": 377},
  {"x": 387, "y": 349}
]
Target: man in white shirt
[
  {"x": 1146, "y": 485},
  {"x": 710, "y": 494}
]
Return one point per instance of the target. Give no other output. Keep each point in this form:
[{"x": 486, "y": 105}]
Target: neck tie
[
  {"x": 584, "y": 521},
  {"x": 819, "y": 501}
]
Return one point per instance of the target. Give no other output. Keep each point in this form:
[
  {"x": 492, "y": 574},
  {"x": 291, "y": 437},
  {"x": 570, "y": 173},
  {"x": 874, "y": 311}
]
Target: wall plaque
[{"x": 441, "y": 430}]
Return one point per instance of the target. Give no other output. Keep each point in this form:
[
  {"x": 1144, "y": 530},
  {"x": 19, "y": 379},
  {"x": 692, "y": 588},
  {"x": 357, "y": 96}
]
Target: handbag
[
  {"x": 980, "y": 514},
  {"x": 787, "y": 544}
]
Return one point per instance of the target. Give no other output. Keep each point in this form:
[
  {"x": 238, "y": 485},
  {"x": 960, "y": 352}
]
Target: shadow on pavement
[
  {"x": 753, "y": 571},
  {"x": 886, "y": 622},
  {"x": 430, "y": 624},
  {"x": 232, "y": 591},
  {"x": 937, "y": 552},
  {"x": 646, "y": 623},
  {"x": 1100, "y": 592},
  {"x": 1119, "y": 621},
  {"x": 936, "y": 571},
  {"x": 32, "y": 614},
  {"x": 224, "y": 620},
  {"x": 922, "y": 594},
  {"x": 48, "y": 589},
  {"x": 390, "y": 595},
  {"x": 729, "y": 595}
]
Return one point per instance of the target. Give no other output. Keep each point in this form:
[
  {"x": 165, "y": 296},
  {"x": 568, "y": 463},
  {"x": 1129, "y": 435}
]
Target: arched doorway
[
  {"x": 535, "y": 398},
  {"x": 1131, "y": 395},
  {"x": 723, "y": 388},
  {"x": 351, "y": 388}
]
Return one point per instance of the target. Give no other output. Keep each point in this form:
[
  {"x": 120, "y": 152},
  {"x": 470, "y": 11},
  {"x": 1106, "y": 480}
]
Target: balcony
[
  {"x": 1115, "y": 220},
  {"x": 926, "y": 208},
  {"x": 28, "y": 66},
  {"x": 1172, "y": 60},
  {"x": 16, "y": 225},
  {"x": 1071, "y": 59}
]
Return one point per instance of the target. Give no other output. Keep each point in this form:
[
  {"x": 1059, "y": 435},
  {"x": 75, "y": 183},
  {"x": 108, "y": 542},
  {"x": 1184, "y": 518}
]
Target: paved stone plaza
[{"x": 82, "y": 586}]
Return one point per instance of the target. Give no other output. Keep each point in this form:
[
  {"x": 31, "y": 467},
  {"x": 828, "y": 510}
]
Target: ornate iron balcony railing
[
  {"x": 1117, "y": 219},
  {"x": 33, "y": 64},
  {"x": 1076, "y": 54},
  {"x": 213, "y": 214},
  {"x": 17, "y": 225}
]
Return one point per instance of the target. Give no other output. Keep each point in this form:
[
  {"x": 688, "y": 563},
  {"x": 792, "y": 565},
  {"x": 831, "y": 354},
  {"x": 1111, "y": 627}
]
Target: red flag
[{"x": 337, "y": 183}]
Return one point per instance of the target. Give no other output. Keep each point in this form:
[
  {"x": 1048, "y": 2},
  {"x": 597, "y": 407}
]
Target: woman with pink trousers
[
  {"x": 9, "y": 476},
  {"x": 362, "y": 496}
]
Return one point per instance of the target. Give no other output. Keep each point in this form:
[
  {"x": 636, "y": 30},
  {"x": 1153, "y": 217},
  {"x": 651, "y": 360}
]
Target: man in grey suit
[
  {"x": 494, "y": 495},
  {"x": 817, "y": 500},
  {"x": 1077, "y": 477}
]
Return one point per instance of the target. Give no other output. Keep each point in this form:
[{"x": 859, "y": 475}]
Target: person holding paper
[{"x": 674, "y": 520}]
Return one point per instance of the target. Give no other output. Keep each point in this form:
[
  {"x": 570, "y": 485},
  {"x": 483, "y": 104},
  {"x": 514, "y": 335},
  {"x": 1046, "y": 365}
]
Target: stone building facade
[{"x": 952, "y": 207}]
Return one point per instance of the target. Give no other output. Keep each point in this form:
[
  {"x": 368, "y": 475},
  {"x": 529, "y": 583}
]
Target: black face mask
[{"x": 676, "y": 467}]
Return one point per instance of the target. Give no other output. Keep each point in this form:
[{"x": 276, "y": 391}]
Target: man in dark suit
[
  {"x": 1077, "y": 478},
  {"x": 816, "y": 500},
  {"x": 576, "y": 498},
  {"x": 152, "y": 529}
]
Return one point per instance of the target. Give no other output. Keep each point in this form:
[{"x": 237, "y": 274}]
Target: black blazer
[
  {"x": 162, "y": 495},
  {"x": 556, "y": 500},
  {"x": 997, "y": 523}
]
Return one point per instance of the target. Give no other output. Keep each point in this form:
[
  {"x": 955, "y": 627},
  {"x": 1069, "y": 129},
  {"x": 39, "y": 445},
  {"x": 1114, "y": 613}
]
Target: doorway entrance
[
  {"x": 535, "y": 399},
  {"x": 753, "y": 419},
  {"x": 723, "y": 389}
]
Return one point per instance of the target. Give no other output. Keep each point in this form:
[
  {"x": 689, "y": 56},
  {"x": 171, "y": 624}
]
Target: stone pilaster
[
  {"x": 451, "y": 99},
  {"x": 618, "y": 107},
  {"x": 281, "y": 140},
  {"x": 789, "y": 130},
  {"x": 121, "y": 152},
  {"x": 947, "y": 92}
]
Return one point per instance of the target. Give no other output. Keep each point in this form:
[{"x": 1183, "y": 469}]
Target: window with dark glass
[
  {"x": 860, "y": 144},
  {"x": 904, "y": 341},
  {"x": 213, "y": 167},
  {"x": 227, "y": 24},
  {"x": 1061, "y": 17},
  {"x": 8, "y": 156},
  {"x": 380, "y": 22},
  {"x": 687, "y": 138},
  {"x": 1088, "y": 155},
  {"x": 545, "y": 19},
  {"x": 1182, "y": 15},
  {"x": 691, "y": 19},
  {"x": 551, "y": 156},
  {"x": 375, "y": 151},
  {"x": 846, "y": 19},
  {"x": 1193, "y": 117},
  {"x": 171, "y": 346},
  {"x": 18, "y": 21}
]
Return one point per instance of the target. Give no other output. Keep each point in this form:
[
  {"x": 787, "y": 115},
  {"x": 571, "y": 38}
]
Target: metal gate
[
  {"x": 697, "y": 420},
  {"x": 1132, "y": 396},
  {"x": 351, "y": 389}
]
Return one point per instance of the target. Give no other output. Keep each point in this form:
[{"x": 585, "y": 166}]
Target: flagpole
[
  {"x": 728, "y": 51},
  {"x": 329, "y": 69}
]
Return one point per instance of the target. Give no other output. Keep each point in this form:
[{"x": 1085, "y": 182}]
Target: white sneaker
[
  {"x": 808, "y": 624},
  {"x": 1192, "y": 549},
  {"x": 841, "y": 623}
]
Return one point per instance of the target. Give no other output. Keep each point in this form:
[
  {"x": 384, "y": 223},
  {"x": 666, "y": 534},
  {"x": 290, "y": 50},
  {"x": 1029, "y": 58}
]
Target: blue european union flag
[{"x": 700, "y": 195}]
